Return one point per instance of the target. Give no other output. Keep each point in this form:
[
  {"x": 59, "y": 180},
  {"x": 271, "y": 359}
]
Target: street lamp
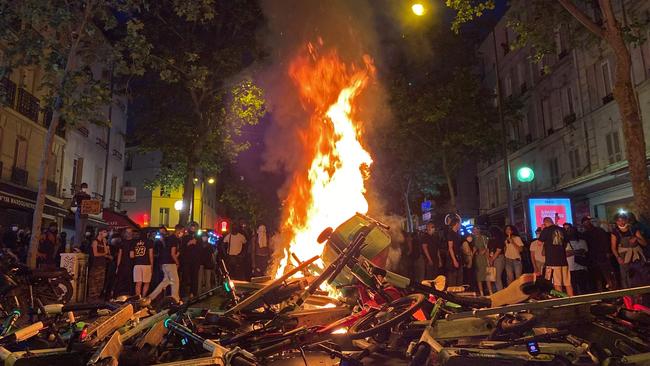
[
  {"x": 525, "y": 174},
  {"x": 418, "y": 9},
  {"x": 178, "y": 205},
  {"x": 210, "y": 180}
]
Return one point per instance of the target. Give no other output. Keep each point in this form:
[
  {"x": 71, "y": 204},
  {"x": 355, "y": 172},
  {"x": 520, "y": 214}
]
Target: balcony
[
  {"x": 19, "y": 176},
  {"x": 8, "y": 92},
  {"x": 83, "y": 130},
  {"x": 52, "y": 188},
  {"x": 28, "y": 105},
  {"x": 117, "y": 154},
  {"x": 101, "y": 143}
]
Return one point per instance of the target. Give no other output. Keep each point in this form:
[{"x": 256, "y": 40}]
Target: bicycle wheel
[
  {"x": 388, "y": 316},
  {"x": 54, "y": 291},
  {"x": 421, "y": 355}
]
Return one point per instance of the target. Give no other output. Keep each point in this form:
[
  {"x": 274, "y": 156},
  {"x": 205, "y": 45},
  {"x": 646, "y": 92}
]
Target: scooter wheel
[
  {"x": 388, "y": 316},
  {"x": 421, "y": 355}
]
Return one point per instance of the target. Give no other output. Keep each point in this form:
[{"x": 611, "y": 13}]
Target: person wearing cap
[
  {"x": 627, "y": 247},
  {"x": 537, "y": 257}
]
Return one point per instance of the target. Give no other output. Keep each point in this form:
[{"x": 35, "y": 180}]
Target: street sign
[
  {"x": 128, "y": 194},
  {"x": 91, "y": 207},
  {"x": 427, "y": 206},
  {"x": 426, "y": 216}
]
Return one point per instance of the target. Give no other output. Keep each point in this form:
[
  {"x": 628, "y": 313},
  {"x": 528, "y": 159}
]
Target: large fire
[{"x": 332, "y": 189}]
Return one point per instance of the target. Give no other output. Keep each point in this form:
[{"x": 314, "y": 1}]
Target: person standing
[
  {"x": 235, "y": 242},
  {"x": 190, "y": 259},
  {"x": 576, "y": 248},
  {"x": 142, "y": 255},
  {"x": 514, "y": 246},
  {"x": 455, "y": 249},
  {"x": 627, "y": 246},
  {"x": 206, "y": 270},
  {"x": 260, "y": 252},
  {"x": 537, "y": 253},
  {"x": 414, "y": 252},
  {"x": 47, "y": 247},
  {"x": 481, "y": 260},
  {"x": 557, "y": 267},
  {"x": 496, "y": 246},
  {"x": 169, "y": 263},
  {"x": 429, "y": 243},
  {"x": 124, "y": 265},
  {"x": 99, "y": 256},
  {"x": 599, "y": 253},
  {"x": 469, "y": 251},
  {"x": 80, "y": 219}
]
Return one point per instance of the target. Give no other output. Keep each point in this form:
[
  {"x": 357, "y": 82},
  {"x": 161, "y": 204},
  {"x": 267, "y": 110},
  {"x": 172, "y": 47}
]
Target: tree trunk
[
  {"x": 188, "y": 190},
  {"x": 625, "y": 96},
  {"x": 450, "y": 183},
  {"x": 42, "y": 189}
]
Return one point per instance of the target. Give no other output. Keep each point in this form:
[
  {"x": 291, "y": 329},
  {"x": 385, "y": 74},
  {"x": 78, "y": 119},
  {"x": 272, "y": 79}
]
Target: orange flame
[{"x": 332, "y": 189}]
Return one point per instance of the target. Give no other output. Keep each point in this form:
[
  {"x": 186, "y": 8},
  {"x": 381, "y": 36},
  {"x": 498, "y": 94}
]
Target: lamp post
[
  {"x": 211, "y": 181},
  {"x": 525, "y": 175}
]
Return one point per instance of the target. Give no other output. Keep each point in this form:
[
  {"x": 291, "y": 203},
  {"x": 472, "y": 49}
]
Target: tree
[
  {"x": 67, "y": 42},
  {"x": 194, "y": 93},
  {"x": 442, "y": 114},
  {"x": 536, "y": 22}
]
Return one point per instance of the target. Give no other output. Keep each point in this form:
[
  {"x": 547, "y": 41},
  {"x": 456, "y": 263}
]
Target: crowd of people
[
  {"x": 577, "y": 259},
  {"x": 150, "y": 262}
]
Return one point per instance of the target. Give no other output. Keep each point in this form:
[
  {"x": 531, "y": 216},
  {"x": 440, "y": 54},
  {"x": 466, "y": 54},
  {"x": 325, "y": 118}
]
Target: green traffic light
[{"x": 525, "y": 174}]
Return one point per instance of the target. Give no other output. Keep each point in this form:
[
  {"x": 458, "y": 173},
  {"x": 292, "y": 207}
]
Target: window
[
  {"x": 507, "y": 85},
  {"x": 77, "y": 172},
  {"x": 546, "y": 114},
  {"x": 560, "y": 46},
  {"x": 574, "y": 160},
  {"x": 568, "y": 101},
  {"x": 127, "y": 183},
  {"x": 164, "y": 193},
  {"x": 554, "y": 170},
  {"x": 521, "y": 76},
  {"x": 99, "y": 179},
  {"x": 20, "y": 155},
  {"x": 506, "y": 44},
  {"x": 113, "y": 188},
  {"x": 164, "y": 216},
  {"x": 129, "y": 161},
  {"x": 51, "y": 170},
  {"x": 493, "y": 193},
  {"x": 607, "y": 78},
  {"x": 613, "y": 148}
]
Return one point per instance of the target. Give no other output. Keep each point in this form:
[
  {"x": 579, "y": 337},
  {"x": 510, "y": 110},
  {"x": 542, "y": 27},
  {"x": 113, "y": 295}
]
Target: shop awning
[
  {"x": 23, "y": 198},
  {"x": 118, "y": 220}
]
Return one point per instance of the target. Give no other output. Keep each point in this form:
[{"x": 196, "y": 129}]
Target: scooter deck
[{"x": 261, "y": 292}]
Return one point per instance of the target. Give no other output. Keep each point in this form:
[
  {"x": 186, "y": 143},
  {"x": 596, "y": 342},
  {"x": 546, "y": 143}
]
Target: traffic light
[{"x": 224, "y": 226}]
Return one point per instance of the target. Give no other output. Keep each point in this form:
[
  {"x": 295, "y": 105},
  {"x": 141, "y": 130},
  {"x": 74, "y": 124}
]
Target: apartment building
[
  {"x": 159, "y": 207},
  {"x": 570, "y": 133}
]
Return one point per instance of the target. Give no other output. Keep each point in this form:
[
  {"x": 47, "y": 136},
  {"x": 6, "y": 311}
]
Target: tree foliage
[
  {"x": 70, "y": 43},
  {"x": 443, "y": 117},
  {"x": 195, "y": 93}
]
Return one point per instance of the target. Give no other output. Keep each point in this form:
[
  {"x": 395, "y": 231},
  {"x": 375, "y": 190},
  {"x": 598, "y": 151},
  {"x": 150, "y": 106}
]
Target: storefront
[{"x": 17, "y": 207}]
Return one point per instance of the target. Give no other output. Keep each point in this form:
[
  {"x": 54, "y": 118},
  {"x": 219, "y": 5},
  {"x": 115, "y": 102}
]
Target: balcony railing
[
  {"x": 117, "y": 154},
  {"x": 28, "y": 105},
  {"x": 569, "y": 119},
  {"x": 52, "y": 188},
  {"x": 83, "y": 130},
  {"x": 8, "y": 92},
  {"x": 101, "y": 143},
  {"x": 19, "y": 176}
]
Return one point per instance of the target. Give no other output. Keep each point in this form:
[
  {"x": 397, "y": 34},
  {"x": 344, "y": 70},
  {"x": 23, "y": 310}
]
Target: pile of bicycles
[{"x": 377, "y": 312}]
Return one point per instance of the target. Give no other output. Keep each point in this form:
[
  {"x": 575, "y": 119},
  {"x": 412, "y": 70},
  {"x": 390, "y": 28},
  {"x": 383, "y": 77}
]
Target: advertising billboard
[{"x": 557, "y": 208}]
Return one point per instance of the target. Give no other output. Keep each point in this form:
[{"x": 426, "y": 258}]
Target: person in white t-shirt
[
  {"x": 537, "y": 253},
  {"x": 514, "y": 246},
  {"x": 235, "y": 246}
]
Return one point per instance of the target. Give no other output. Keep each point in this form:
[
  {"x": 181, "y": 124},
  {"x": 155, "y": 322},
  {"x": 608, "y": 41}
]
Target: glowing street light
[
  {"x": 178, "y": 205},
  {"x": 418, "y": 9},
  {"x": 525, "y": 174},
  {"x": 210, "y": 180}
]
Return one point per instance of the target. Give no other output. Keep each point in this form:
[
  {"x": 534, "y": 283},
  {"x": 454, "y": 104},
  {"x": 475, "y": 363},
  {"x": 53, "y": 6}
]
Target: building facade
[
  {"x": 160, "y": 208},
  {"x": 570, "y": 132},
  {"x": 81, "y": 153}
]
